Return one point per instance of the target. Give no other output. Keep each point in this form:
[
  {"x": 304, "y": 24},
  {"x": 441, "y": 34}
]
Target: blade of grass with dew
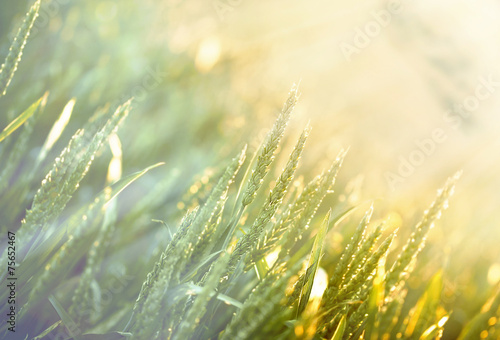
[
  {"x": 107, "y": 336},
  {"x": 162, "y": 293},
  {"x": 346, "y": 258},
  {"x": 264, "y": 160},
  {"x": 339, "y": 332},
  {"x": 273, "y": 236},
  {"x": 375, "y": 301},
  {"x": 153, "y": 275},
  {"x": 326, "y": 183},
  {"x": 194, "y": 229},
  {"x": 268, "y": 210},
  {"x": 266, "y": 155},
  {"x": 10, "y": 178},
  {"x": 60, "y": 264},
  {"x": 206, "y": 238},
  {"x": 13, "y": 58},
  {"x": 56, "y": 131},
  {"x": 363, "y": 250},
  {"x": 19, "y": 121},
  {"x": 105, "y": 197},
  {"x": 64, "y": 177},
  {"x": 218, "y": 191},
  {"x": 303, "y": 251},
  {"x": 391, "y": 312},
  {"x": 80, "y": 299},
  {"x": 260, "y": 306},
  {"x": 199, "y": 307},
  {"x": 479, "y": 323},
  {"x": 48, "y": 252},
  {"x": 149, "y": 301},
  {"x": 355, "y": 283},
  {"x": 209, "y": 259},
  {"x": 435, "y": 332},
  {"x": 402, "y": 267},
  {"x": 424, "y": 314},
  {"x": 48, "y": 330},
  {"x": 347, "y": 255},
  {"x": 312, "y": 267},
  {"x": 66, "y": 319}
]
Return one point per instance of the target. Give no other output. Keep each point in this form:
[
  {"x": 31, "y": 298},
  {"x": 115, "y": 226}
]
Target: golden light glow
[
  {"x": 443, "y": 320},
  {"x": 494, "y": 274},
  {"x": 208, "y": 54},
  {"x": 272, "y": 257},
  {"x": 60, "y": 124},
  {"x": 299, "y": 330},
  {"x": 115, "y": 145},
  {"x": 115, "y": 166},
  {"x": 394, "y": 221},
  {"x": 320, "y": 284},
  {"x": 193, "y": 189}
]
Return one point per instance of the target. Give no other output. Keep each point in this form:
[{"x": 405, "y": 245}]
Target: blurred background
[{"x": 413, "y": 88}]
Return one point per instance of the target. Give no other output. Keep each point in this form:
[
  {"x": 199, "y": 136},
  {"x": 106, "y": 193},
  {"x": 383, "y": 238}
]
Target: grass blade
[
  {"x": 339, "y": 332},
  {"x": 16, "y": 123},
  {"x": 12, "y": 60},
  {"x": 313, "y": 264},
  {"x": 66, "y": 319}
]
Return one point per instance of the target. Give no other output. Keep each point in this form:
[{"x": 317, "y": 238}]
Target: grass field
[{"x": 227, "y": 170}]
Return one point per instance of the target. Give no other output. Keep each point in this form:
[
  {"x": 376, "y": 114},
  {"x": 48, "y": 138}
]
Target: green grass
[{"x": 87, "y": 269}]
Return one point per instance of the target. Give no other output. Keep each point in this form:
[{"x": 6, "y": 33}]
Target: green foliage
[
  {"x": 12, "y": 60},
  {"x": 20, "y": 120},
  {"x": 484, "y": 322},
  {"x": 242, "y": 264}
]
